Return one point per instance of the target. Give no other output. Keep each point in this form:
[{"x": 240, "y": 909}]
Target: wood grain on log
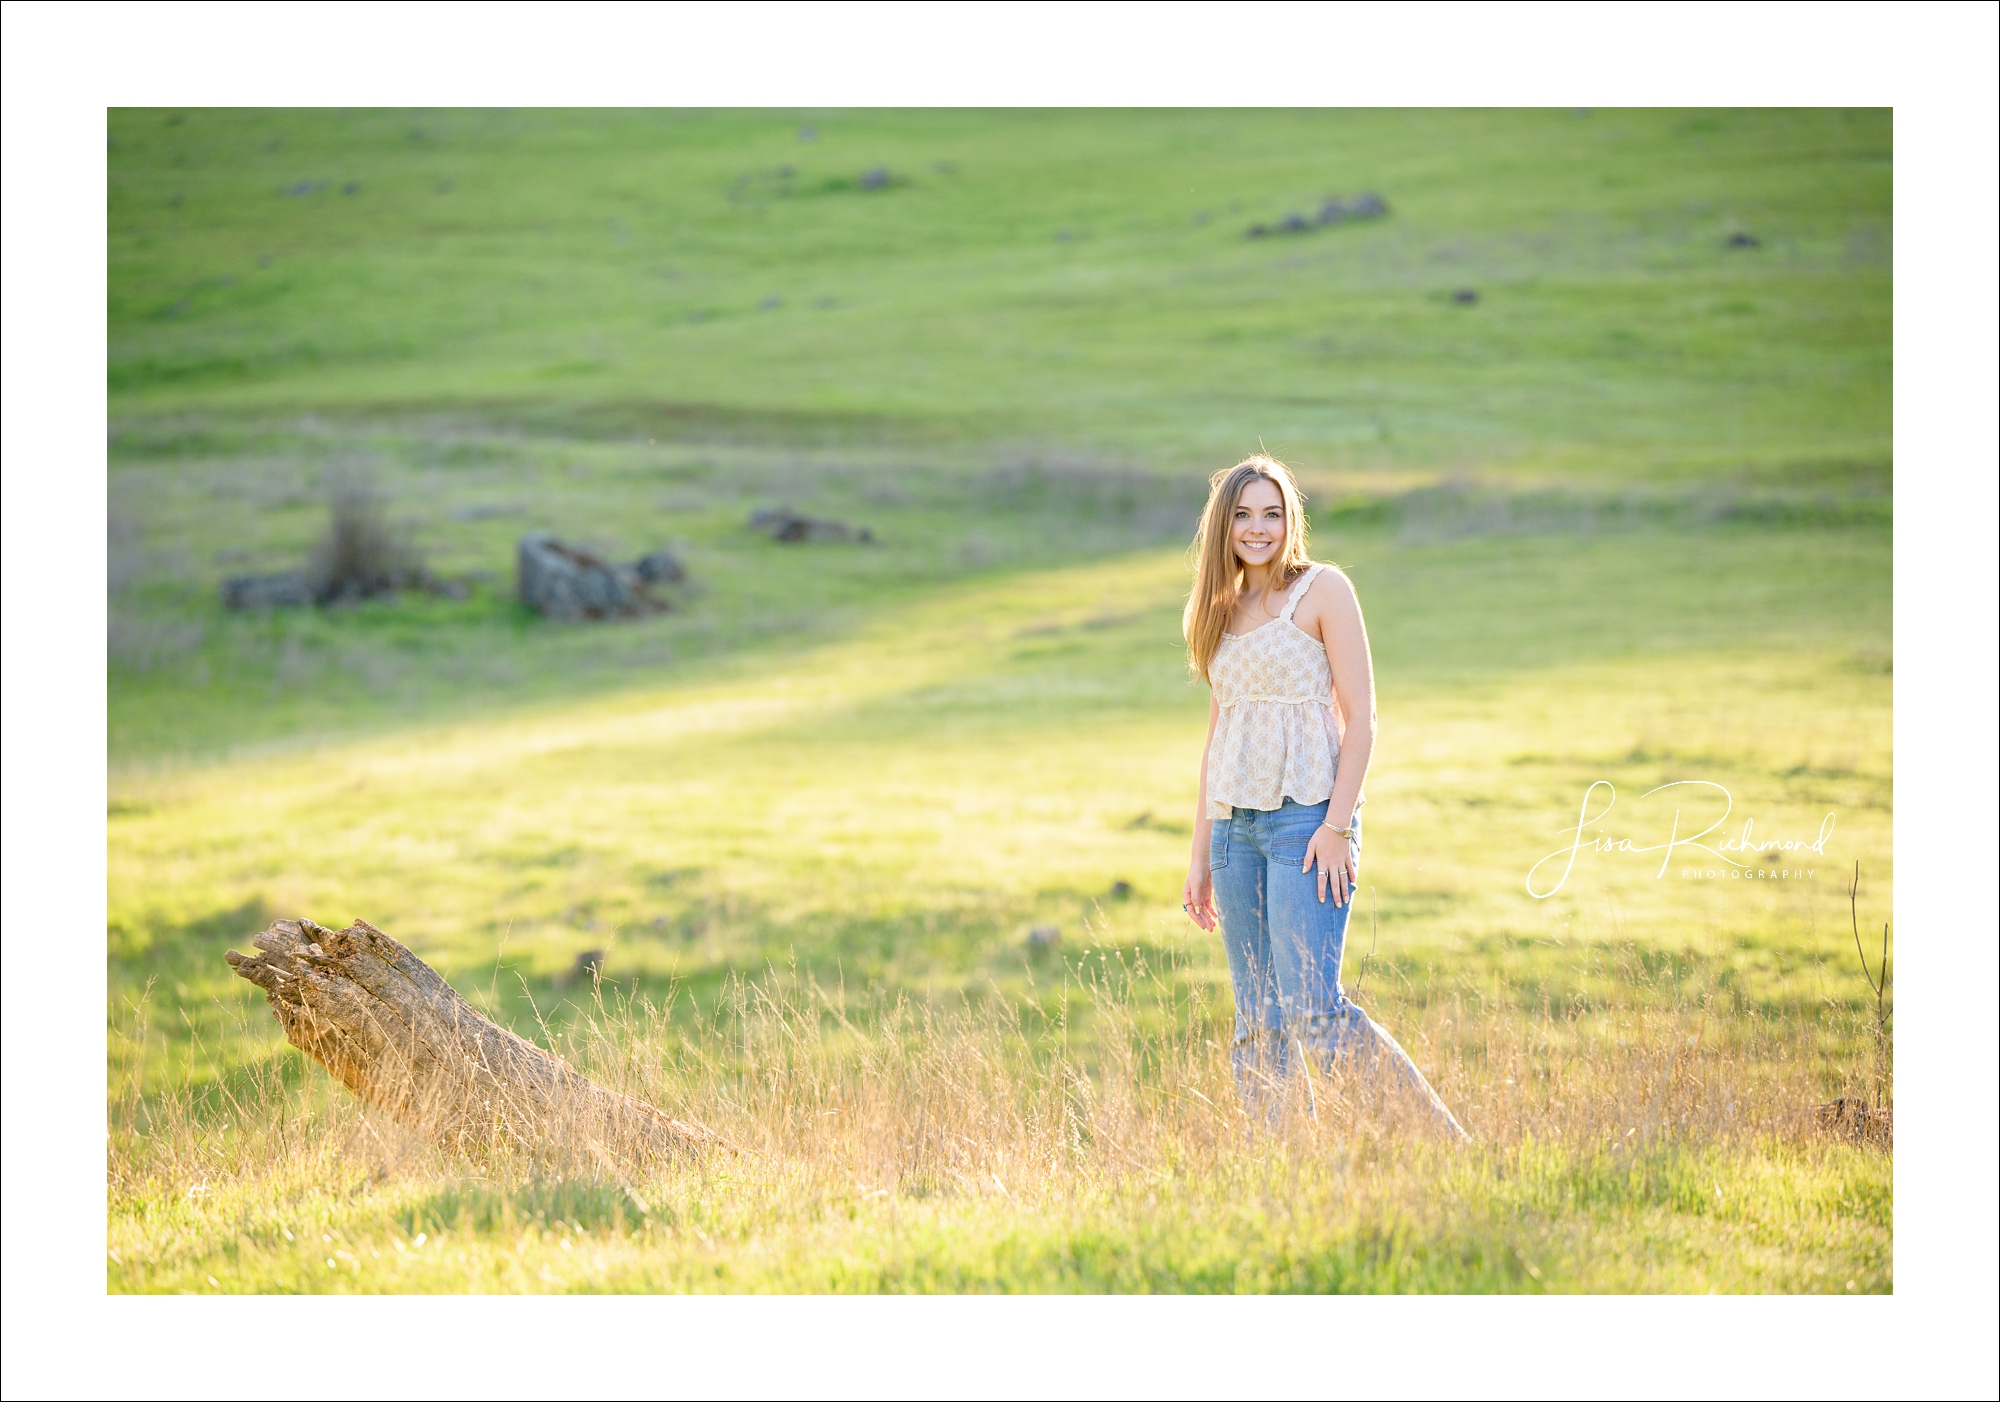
[{"x": 391, "y": 1030}]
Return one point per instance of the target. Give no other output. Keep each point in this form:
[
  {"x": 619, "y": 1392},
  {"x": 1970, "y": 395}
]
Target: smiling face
[{"x": 1257, "y": 527}]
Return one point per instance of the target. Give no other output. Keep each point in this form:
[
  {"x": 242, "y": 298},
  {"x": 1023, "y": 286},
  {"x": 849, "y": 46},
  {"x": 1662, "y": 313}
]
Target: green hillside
[
  {"x": 1068, "y": 277},
  {"x": 1596, "y": 415}
]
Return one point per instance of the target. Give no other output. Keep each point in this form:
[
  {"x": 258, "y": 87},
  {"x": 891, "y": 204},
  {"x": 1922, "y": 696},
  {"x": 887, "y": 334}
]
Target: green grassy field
[{"x": 1625, "y": 517}]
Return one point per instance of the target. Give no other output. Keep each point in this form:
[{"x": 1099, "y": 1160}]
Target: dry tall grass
[{"x": 1116, "y": 1119}]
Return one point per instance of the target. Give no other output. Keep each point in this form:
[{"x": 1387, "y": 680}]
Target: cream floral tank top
[{"x": 1276, "y": 736}]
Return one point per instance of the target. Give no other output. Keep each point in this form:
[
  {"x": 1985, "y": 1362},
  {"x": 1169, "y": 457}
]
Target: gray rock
[
  {"x": 1366, "y": 205},
  {"x": 660, "y": 567},
  {"x": 568, "y": 584},
  {"x": 1465, "y": 296},
  {"x": 789, "y": 527},
  {"x": 1044, "y": 937},
  {"x": 874, "y": 178},
  {"x": 286, "y": 589},
  {"x": 1740, "y": 240}
]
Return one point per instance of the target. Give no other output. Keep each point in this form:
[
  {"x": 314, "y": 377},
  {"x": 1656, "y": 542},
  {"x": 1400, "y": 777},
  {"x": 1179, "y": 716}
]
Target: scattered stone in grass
[
  {"x": 352, "y": 187},
  {"x": 568, "y": 584},
  {"x": 1742, "y": 240},
  {"x": 1044, "y": 937},
  {"x": 874, "y": 178},
  {"x": 789, "y": 527},
  {"x": 1121, "y": 890},
  {"x": 808, "y": 134},
  {"x": 660, "y": 567},
  {"x": 1465, "y": 296},
  {"x": 589, "y": 964},
  {"x": 361, "y": 556},
  {"x": 1367, "y": 205},
  {"x": 286, "y": 589}
]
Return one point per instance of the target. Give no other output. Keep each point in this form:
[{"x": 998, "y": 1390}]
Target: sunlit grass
[
  {"x": 1623, "y": 518},
  {"x": 889, "y": 811}
]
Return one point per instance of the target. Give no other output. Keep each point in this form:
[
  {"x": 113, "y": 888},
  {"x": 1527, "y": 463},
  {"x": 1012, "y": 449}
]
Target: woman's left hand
[{"x": 1334, "y": 856}]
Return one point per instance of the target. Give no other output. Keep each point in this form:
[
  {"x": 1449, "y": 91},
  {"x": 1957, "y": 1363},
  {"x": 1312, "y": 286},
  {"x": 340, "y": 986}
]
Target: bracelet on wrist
[{"x": 1347, "y": 833}]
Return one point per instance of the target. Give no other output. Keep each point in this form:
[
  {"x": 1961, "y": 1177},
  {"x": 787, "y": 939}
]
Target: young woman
[{"x": 1277, "y": 832}]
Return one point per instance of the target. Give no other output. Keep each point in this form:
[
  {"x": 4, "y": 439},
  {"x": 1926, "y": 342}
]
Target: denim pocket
[
  {"x": 1218, "y": 845},
  {"x": 1290, "y": 849}
]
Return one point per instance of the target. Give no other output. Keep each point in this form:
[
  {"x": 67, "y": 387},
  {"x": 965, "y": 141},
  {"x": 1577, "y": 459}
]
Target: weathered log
[{"x": 391, "y": 1030}]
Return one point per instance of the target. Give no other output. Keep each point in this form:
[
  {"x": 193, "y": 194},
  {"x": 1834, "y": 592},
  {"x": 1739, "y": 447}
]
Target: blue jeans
[{"x": 1284, "y": 945}]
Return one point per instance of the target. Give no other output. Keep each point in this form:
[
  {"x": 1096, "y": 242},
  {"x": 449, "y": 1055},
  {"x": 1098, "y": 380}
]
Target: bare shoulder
[
  {"x": 1329, "y": 608},
  {"x": 1331, "y": 589}
]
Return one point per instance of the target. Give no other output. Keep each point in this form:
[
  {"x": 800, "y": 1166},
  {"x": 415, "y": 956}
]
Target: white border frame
[{"x": 1935, "y": 64}]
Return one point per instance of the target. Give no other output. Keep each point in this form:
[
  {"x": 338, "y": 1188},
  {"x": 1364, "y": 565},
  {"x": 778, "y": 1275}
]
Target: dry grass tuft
[{"x": 1120, "y": 1116}]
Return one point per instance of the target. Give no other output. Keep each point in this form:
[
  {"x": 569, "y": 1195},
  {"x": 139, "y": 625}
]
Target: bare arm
[
  {"x": 1337, "y": 621},
  {"x": 1198, "y": 895},
  {"x": 1346, "y": 639}
]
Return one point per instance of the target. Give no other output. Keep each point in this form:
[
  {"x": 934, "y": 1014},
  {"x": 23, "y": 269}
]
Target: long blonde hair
[{"x": 1218, "y": 574}]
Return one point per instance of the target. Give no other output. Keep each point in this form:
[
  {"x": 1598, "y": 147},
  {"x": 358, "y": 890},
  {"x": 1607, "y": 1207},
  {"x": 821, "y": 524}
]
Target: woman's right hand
[{"x": 1198, "y": 896}]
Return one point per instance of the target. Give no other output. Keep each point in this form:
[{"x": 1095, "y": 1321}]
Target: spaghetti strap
[{"x": 1299, "y": 591}]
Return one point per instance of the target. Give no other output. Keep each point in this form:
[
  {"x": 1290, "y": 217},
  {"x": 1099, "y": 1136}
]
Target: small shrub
[{"x": 362, "y": 555}]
